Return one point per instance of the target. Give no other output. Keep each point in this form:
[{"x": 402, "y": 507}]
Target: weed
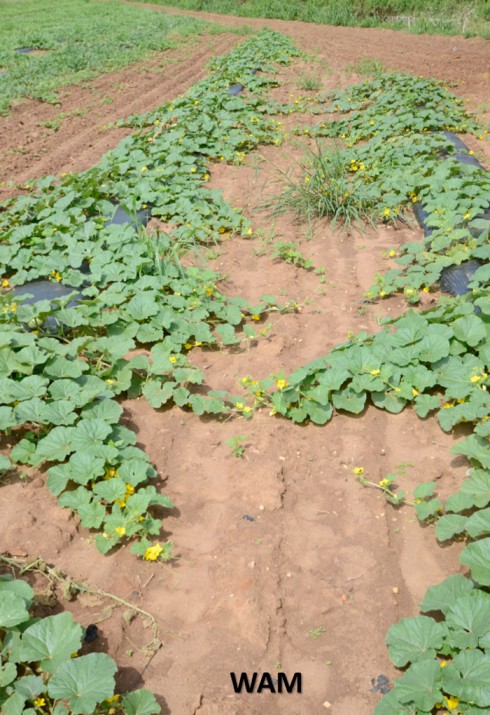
[
  {"x": 308, "y": 82},
  {"x": 324, "y": 187},
  {"x": 236, "y": 444},
  {"x": 317, "y": 632},
  {"x": 366, "y": 66}
]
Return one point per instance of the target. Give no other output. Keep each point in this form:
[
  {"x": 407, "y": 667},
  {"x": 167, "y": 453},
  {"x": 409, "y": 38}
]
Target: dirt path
[{"x": 284, "y": 562}]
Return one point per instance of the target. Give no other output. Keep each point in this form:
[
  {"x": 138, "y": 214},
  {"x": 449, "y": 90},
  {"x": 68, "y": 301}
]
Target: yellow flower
[
  {"x": 375, "y": 372},
  {"x": 452, "y": 702},
  {"x": 392, "y": 253},
  {"x": 249, "y": 232},
  {"x": 206, "y": 177},
  {"x": 471, "y": 152},
  {"x": 157, "y": 122},
  {"x": 113, "y": 699},
  {"x": 247, "y": 409},
  {"x": 448, "y": 405},
  {"x": 39, "y": 702},
  {"x": 477, "y": 378},
  {"x": 121, "y": 530},
  {"x": 153, "y": 552},
  {"x": 193, "y": 170},
  {"x": 239, "y": 405},
  {"x": 111, "y": 472},
  {"x": 358, "y": 470},
  {"x": 209, "y": 291},
  {"x": 384, "y": 483},
  {"x": 172, "y": 359},
  {"x": 467, "y": 215},
  {"x": 371, "y": 122},
  {"x": 188, "y": 346},
  {"x": 346, "y": 195},
  {"x": 387, "y": 212},
  {"x": 307, "y": 179},
  {"x": 255, "y": 317},
  {"x": 443, "y": 663},
  {"x": 5, "y": 283},
  {"x": 382, "y": 293},
  {"x": 129, "y": 490},
  {"x": 281, "y": 384},
  {"x": 415, "y": 392},
  {"x": 197, "y": 344},
  {"x": 144, "y": 168},
  {"x": 426, "y": 289},
  {"x": 196, "y": 102}
]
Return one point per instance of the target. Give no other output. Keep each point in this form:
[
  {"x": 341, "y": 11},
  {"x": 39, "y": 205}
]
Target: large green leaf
[
  {"x": 443, "y": 596},
  {"x": 468, "y": 677},
  {"x": 140, "y": 702},
  {"x": 470, "y": 618},
  {"x": 478, "y": 524},
  {"x": 449, "y": 525},
  {"x": 413, "y": 639},
  {"x": 84, "y": 682},
  {"x": 12, "y": 609},
  {"x": 8, "y": 672},
  {"x": 470, "y": 329},
  {"x": 420, "y": 685},
  {"x": 56, "y": 446},
  {"x": 475, "y": 447},
  {"x": 51, "y": 640},
  {"x": 477, "y": 557}
]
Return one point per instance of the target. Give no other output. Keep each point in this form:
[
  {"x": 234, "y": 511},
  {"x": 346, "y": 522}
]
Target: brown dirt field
[{"x": 313, "y": 580}]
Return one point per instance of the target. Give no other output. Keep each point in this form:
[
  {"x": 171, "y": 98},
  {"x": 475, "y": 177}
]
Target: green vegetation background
[{"x": 468, "y": 17}]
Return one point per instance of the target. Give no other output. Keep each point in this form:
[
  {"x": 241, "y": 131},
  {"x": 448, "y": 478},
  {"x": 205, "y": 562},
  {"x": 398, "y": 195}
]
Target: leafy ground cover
[
  {"x": 74, "y": 41},
  {"x": 422, "y": 343},
  {"x": 41, "y": 670},
  {"x": 437, "y": 16}
]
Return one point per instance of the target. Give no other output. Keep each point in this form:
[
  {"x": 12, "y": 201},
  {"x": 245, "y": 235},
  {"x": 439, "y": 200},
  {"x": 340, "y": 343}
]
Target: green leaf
[
  {"x": 475, "y": 447},
  {"x": 424, "y": 490},
  {"x": 478, "y": 524},
  {"x": 85, "y": 468},
  {"x": 413, "y": 639},
  {"x": 89, "y": 431},
  {"x": 8, "y": 672},
  {"x": 17, "y": 586},
  {"x": 140, "y": 702},
  {"x": 468, "y": 677},
  {"x": 227, "y": 334},
  {"x": 349, "y": 400},
  {"x": 109, "y": 411},
  {"x": 425, "y": 404},
  {"x": 84, "y": 682},
  {"x": 158, "y": 393},
  {"x": 469, "y": 617},
  {"x": 143, "y": 306},
  {"x": 12, "y": 609},
  {"x": 443, "y": 596},
  {"x": 470, "y": 330},
  {"x": 449, "y": 525},
  {"x": 390, "y": 705},
  {"x": 420, "y": 685},
  {"x": 51, "y": 640},
  {"x": 30, "y": 686},
  {"x": 474, "y": 491},
  {"x": 110, "y": 489},
  {"x": 56, "y": 446},
  {"x": 477, "y": 557},
  {"x": 427, "y": 509},
  {"x": 14, "y": 705}
]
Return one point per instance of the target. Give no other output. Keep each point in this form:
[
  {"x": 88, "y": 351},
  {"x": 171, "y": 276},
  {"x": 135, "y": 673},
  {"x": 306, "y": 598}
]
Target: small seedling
[
  {"x": 317, "y": 632},
  {"x": 236, "y": 444}
]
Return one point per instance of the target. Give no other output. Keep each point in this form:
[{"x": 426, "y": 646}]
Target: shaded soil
[{"x": 284, "y": 563}]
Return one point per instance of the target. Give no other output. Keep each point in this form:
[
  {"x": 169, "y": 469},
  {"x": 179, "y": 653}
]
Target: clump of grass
[
  {"x": 367, "y": 66},
  {"x": 309, "y": 82},
  {"x": 324, "y": 186}
]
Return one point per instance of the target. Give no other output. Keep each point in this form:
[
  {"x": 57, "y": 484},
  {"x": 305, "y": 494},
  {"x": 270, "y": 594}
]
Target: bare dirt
[{"x": 284, "y": 563}]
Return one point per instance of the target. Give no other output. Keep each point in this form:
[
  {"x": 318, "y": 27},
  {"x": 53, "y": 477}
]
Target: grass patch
[
  {"x": 79, "y": 40},
  {"x": 448, "y": 17}
]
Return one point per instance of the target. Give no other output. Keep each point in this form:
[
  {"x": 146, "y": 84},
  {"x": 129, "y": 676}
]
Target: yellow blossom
[
  {"x": 467, "y": 215},
  {"x": 392, "y": 253},
  {"x": 5, "y": 283},
  {"x": 239, "y": 405},
  {"x": 188, "y": 346},
  {"x": 120, "y": 530},
  {"x": 281, "y": 384},
  {"x": 249, "y": 232},
  {"x": 129, "y": 490},
  {"x": 358, "y": 470},
  {"x": 443, "y": 663},
  {"x": 307, "y": 179},
  {"x": 172, "y": 359},
  {"x": 255, "y": 317},
  {"x": 39, "y": 702},
  {"x": 247, "y": 409},
  {"x": 384, "y": 483},
  {"x": 144, "y": 168},
  {"x": 113, "y": 699},
  {"x": 477, "y": 378},
  {"x": 153, "y": 552},
  {"x": 448, "y": 405},
  {"x": 387, "y": 212},
  {"x": 415, "y": 392},
  {"x": 375, "y": 372},
  {"x": 193, "y": 170},
  {"x": 452, "y": 702}
]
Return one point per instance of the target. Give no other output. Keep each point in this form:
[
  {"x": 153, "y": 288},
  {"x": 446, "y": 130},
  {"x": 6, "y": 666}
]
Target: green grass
[
  {"x": 470, "y": 17},
  {"x": 81, "y": 39}
]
